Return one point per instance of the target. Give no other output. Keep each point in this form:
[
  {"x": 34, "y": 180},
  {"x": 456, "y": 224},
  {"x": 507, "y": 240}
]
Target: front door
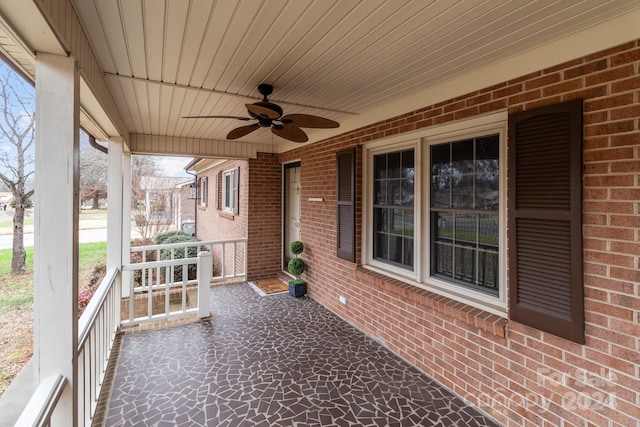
[{"x": 291, "y": 221}]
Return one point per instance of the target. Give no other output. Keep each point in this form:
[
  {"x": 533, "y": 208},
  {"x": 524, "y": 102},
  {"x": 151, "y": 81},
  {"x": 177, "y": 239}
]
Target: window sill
[
  {"x": 422, "y": 298},
  {"x": 227, "y": 215}
]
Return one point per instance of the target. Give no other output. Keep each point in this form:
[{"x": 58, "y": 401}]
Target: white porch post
[
  {"x": 56, "y": 228},
  {"x": 205, "y": 271},
  {"x": 126, "y": 221},
  {"x": 115, "y": 212}
]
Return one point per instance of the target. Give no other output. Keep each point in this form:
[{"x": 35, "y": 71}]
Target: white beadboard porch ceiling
[{"x": 164, "y": 59}]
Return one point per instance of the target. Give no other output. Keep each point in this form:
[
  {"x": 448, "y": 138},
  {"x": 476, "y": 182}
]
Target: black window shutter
[
  {"x": 545, "y": 219},
  {"x": 345, "y": 198},
  {"x": 236, "y": 193},
  {"x": 216, "y": 191}
]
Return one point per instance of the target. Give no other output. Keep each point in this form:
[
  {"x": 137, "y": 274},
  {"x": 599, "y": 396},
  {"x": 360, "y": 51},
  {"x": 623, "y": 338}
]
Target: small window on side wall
[
  {"x": 204, "y": 191},
  {"x": 230, "y": 190}
]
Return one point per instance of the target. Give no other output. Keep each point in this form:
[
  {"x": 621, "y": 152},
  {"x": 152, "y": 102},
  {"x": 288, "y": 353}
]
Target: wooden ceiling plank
[
  {"x": 174, "y": 30},
  {"x": 241, "y": 64},
  {"x": 197, "y": 22},
  {"x": 213, "y": 36},
  {"x": 131, "y": 12},
  {"x": 109, "y": 13},
  {"x": 90, "y": 19},
  {"x": 294, "y": 41},
  {"x": 242, "y": 19},
  {"x": 274, "y": 40},
  {"x": 153, "y": 23}
]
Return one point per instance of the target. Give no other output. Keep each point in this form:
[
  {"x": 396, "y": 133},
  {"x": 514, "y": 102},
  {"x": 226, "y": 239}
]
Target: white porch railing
[
  {"x": 170, "y": 279},
  {"x": 97, "y": 328},
  {"x": 99, "y": 323},
  {"x": 40, "y": 408}
]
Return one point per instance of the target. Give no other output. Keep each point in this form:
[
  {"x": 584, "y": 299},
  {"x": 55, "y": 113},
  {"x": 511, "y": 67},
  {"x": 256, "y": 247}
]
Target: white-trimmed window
[
  {"x": 230, "y": 182},
  {"x": 393, "y": 211},
  {"x": 434, "y": 209},
  {"x": 204, "y": 191}
]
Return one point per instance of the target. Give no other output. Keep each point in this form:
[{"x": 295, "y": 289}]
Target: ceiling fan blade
[
  {"x": 290, "y": 132},
  {"x": 308, "y": 121},
  {"x": 242, "y": 131},
  {"x": 217, "y": 117},
  {"x": 262, "y": 112}
]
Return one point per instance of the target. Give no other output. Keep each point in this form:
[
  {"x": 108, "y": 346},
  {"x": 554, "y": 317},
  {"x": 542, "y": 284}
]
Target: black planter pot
[{"x": 297, "y": 290}]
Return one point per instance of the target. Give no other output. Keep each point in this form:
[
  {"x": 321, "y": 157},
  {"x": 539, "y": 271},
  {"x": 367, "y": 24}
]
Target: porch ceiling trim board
[
  {"x": 53, "y": 27},
  {"x": 193, "y": 147}
]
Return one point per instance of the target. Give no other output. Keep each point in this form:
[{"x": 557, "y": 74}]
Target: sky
[{"x": 174, "y": 166}]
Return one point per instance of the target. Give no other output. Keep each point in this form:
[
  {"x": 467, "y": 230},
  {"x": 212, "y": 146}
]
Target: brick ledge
[{"x": 472, "y": 316}]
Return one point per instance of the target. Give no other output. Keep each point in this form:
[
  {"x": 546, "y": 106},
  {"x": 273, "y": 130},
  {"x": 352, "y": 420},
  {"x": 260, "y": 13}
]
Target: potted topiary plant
[{"x": 296, "y": 266}]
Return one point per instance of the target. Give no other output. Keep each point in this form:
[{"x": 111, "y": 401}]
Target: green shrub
[
  {"x": 179, "y": 253},
  {"x": 296, "y": 247},
  {"x": 164, "y": 236},
  {"x": 296, "y": 266}
]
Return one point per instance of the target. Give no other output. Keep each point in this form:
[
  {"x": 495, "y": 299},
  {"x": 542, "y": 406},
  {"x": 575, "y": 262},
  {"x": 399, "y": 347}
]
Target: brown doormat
[{"x": 271, "y": 286}]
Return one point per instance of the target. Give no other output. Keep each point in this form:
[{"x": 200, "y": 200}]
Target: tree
[
  {"x": 151, "y": 197},
  {"x": 93, "y": 172},
  {"x": 17, "y": 138}
]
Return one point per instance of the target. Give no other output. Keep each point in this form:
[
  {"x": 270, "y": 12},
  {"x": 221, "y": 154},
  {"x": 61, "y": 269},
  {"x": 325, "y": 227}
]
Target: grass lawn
[{"x": 16, "y": 307}]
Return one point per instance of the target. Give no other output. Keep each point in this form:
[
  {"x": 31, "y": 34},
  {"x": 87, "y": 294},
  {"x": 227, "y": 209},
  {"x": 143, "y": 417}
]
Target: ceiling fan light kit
[{"x": 270, "y": 115}]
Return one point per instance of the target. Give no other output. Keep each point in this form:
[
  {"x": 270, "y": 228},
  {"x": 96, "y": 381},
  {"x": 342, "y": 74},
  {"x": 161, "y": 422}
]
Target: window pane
[
  {"x": 487, "y": 192},
  {"x": 462, "y": 157},
  {"x": 408, "y": 223},
  {"x": 488, "y": 231},
  {"x": 441, "y": 175},
  {"x": 407, "y": 258},
  {"x": 380, "y": 192},
  {"x": 393, "y": 207},
  {"x": 394, "y": 195},
  {"x": 464, "y": 206},
  {"x": 440, "y": 159},
  {"x": 380, "y": 166},
  {"x": 380, "y": 220},
  {"x": 462, "y": 191},
  {"x": 395, "y": 249},
  {"x": 465, "y": 229},
  {"x": 487, "y": 172},
  {"x": 488, "y": 148},
  {"x": 444, "y": 259},
  {"x": 444, "y": 226},
  {"x": 393, "y": 165},
  {"x": 408, "y": 164},
  {"x": 397, "y": 221},
  {"x": 380, "y": 246},
  {"x": 407, "y": 192},
  {"x": 441, "y": 191}
]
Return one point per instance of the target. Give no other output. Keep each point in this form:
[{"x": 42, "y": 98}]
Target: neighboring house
[
  {"x": 5, "y": 199},
  {"x": 162, "y": 198},
  {"x": 229, "y": 194},
  {"x": 184, "y": 199}
]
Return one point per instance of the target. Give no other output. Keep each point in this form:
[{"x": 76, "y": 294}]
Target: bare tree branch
[{"x": 17, "y": 123}]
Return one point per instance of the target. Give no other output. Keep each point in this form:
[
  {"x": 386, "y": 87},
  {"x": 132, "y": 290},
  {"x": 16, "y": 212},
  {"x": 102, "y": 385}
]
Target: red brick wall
[
  {"x": 215, "y": 224},
  {"x": 265, "y": 217},
  {"x": 519, "y": 375}
]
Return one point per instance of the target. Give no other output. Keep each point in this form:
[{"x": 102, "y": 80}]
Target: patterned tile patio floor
[{"x": 273, "y": 361}]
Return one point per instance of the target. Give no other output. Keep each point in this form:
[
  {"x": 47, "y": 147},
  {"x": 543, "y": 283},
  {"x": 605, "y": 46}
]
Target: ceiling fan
[{"x": 270, "y": 115}]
